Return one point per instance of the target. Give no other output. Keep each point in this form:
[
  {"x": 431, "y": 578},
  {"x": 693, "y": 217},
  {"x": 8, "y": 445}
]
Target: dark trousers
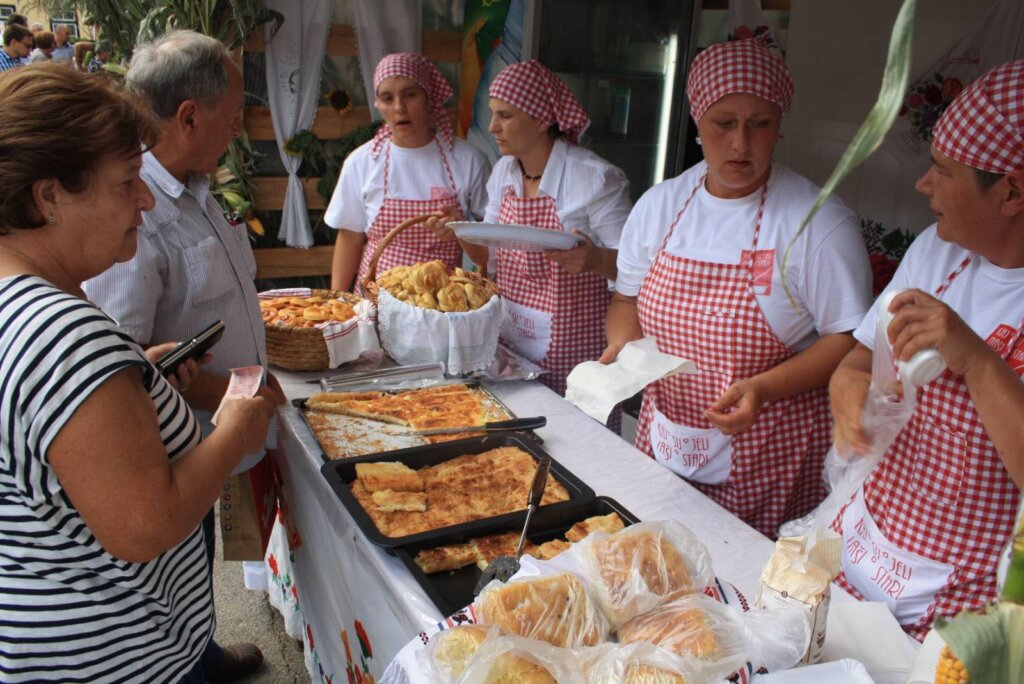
[{"x": 213, "y": 653}]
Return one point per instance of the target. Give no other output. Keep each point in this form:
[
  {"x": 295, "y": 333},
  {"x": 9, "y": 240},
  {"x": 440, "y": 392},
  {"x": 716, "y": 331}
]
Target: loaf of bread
[
  {"x": 649, "y": 674},
  {"x": 636, "y": 663},
  {"x": 511, "y": 669},
  {"x": 555, "y": 609}
]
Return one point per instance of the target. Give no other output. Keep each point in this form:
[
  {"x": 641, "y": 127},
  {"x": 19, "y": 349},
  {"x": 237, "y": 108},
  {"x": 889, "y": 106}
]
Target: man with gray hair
[
  {"x": 192, "y": 267},
  {"x": 63, "y": 50}
]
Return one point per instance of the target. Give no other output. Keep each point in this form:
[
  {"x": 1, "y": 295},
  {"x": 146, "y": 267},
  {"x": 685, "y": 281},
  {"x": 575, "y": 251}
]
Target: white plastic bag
[
  {"x": 615, "y": 663},
  {"x": 890, "y": 402},
  {"x": 503, "y": 658},
  {"x": 643, "y": 565},
  {"x": 449, "y": 652}
]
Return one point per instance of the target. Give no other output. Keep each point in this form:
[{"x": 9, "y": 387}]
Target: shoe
[{"x": 239, "y": 660}]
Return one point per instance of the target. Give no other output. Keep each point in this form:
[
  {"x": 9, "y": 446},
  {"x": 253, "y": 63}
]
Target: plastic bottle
[{"x": 925, "y": 365}]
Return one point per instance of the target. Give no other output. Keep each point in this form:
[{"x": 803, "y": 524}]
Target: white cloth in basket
[{"x": 464, "y": 342}]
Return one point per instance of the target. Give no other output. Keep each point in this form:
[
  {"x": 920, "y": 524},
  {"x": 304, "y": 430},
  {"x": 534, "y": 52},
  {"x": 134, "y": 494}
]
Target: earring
[
  {"x": 699, "y": 141},
  {"x": 51, "y": 218}
]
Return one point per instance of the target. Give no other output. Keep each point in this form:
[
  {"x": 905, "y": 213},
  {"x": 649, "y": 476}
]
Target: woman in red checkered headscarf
[
  {"x": 700, "y": 270},
  {"x": 555, "y": 300},
  {"x": 925, "y": 530},
  {"x": 413, "y": 166}
]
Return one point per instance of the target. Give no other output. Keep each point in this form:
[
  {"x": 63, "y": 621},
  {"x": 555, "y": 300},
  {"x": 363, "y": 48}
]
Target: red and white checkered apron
[
  {"x": 415, "y": 244},
  {"x": 942, "y": 492},
  {"x": 577, "y": 303},
  {"x": 707, "y": 312}
]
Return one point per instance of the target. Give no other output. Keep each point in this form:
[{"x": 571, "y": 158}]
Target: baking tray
[
  {"x": 453, "y": 590},
  {"x": 365, "y": 436},
  {"x": 340, "y": 474}
]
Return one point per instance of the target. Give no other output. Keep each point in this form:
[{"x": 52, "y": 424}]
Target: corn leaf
[
  {"x": 989, "y": 643},
  {"x": 879, "y": 120}
]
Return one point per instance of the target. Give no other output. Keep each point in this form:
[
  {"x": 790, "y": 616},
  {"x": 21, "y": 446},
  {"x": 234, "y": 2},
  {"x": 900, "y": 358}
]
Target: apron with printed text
[
  {"x": 708, "y": 312},
  {"x": 416, "y": 244},
  {"x": 552, "y": 317},
  {"x": 925, "y": 531}
]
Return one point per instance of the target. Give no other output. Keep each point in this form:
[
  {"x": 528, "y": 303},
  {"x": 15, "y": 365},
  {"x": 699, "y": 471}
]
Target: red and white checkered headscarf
[
  {"x": 535, "y": 89},
  {"x": 420, "y": 69},
  {"x": 739, "y": 66},
  {"x": 984, "y": 126}
]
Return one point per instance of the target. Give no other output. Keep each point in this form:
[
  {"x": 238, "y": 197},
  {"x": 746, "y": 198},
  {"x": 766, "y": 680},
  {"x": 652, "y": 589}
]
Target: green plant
[{"x": 127, "y": 22}]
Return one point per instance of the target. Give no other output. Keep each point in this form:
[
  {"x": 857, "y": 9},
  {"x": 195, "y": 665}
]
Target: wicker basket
[
  {"x": 369, "y": 285},
  {"x": 302, "y": 349}
]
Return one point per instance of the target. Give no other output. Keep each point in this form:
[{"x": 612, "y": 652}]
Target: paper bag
[{"x": 248, "y": 507}]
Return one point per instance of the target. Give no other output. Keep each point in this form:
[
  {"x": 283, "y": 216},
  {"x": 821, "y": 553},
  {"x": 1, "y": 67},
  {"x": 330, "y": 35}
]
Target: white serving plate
[{"x": 512, "y": 236}]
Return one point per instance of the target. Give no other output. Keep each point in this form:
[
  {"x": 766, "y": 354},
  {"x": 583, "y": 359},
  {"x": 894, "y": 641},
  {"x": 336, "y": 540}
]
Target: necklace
[
  {"x": 42, "y": 271},
  {"x": 526, "y": 175}
]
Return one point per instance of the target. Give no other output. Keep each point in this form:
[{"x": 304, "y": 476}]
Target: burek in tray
[
  {"x": 450, "y": 492},
  {"x": 348, "y": 424}
]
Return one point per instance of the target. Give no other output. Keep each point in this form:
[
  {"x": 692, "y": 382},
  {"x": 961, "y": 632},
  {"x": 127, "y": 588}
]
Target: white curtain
[
  {"x": 383, "y": 27},
  {"x": 294, "y": 57}
]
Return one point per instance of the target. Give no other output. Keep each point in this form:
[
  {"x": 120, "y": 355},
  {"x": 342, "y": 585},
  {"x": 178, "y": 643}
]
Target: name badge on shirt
[{"x": 764, "y": 267}]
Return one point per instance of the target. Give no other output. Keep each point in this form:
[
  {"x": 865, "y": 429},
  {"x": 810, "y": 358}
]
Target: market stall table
[{"x": 355, "y": 606}]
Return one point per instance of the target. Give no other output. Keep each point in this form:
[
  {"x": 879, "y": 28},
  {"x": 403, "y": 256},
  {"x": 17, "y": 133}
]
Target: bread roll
[
  {"x": 555, "y": 609},
  {"x": 685, "y": 630},
  {"x": 648, "y": 674},
  {"x": 454, "y": 648},
  {"x": 638, "y": 568},
  {"x": 511, "y": 669}
]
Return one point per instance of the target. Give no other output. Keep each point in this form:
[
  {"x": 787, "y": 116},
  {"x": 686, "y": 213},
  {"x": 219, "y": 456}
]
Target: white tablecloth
[{"x": 355, "y": 606}]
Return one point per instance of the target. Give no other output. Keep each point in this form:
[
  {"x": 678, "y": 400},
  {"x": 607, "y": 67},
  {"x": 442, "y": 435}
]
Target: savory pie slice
[
  {"x": 422, "y": 409},
  {"x": 394, "y": 476},
  {"x": 599, "y": 523},
  {"x": 388, "y": 500}
]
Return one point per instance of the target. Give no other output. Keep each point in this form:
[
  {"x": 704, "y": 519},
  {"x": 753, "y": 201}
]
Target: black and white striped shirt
[{"x": 69, "y": 611}]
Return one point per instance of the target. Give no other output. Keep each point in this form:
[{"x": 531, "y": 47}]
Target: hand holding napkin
[{"x": 595, "y": 388}]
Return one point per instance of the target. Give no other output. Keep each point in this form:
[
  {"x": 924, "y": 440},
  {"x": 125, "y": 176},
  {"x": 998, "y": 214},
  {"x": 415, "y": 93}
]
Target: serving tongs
[
  {"x": 503, "y": 567},
  {"x": 341, "y": 382}
]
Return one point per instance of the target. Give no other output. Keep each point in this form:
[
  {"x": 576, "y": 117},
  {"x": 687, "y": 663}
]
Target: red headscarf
[
  {"x": 739, "y": 66},
  {"x": 984, "y": 126},
  {"x": 535, "y": 89},
  {"x": 420, "y": 69}
]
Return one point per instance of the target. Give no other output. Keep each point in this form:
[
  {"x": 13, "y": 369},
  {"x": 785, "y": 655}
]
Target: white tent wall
[{"x": 836, "y": 52}]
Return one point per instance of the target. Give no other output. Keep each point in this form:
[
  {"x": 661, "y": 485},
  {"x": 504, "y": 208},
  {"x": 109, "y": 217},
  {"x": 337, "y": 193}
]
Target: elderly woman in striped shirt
[{"x": 103, "y": 479}]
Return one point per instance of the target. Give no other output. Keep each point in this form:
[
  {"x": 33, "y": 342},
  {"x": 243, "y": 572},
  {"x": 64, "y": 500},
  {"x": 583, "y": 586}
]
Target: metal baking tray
[
  {"x": 340, "y": 474},
  {"x": 364, "y": 436},
  {"x": 453, "y": 590}
]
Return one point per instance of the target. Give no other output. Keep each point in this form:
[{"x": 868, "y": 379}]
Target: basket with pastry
[
  {"x": 311, "y": 329},
  {"x": 429, "y": 312}
]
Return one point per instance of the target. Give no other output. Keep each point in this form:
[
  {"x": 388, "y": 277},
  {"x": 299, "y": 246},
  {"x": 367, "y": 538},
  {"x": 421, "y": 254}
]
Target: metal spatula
[{"x": 503, "y": 567}]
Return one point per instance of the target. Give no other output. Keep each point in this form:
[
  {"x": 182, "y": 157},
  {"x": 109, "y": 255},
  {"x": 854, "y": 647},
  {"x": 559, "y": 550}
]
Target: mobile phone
[{"x": 192, "y": 349}]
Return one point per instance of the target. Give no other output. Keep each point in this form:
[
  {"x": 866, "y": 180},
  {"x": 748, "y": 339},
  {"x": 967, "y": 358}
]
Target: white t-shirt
[
  {"x": 589, "y": 193},
  {"x": 415, "y": 174},
  {"x": 828, "y": 271},
  {"x": 989, "y": 299}
]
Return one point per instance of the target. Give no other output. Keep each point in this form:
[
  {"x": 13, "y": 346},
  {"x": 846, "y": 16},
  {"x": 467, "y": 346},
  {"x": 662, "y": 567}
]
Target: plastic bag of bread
[
  {"x": 639, "y": 663},
  {"x": 554, "y": 608},
  {"x": 637, "y": 568},
  {"x": 515, "y": 660},
  {"x": 446, "y": 656},
  {"x": 711, "y": 635}
]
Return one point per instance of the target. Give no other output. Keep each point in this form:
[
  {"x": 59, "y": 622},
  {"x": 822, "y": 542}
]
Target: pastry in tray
[
  {"x": 455, "y": 405},
  {"x": 465, "y": 488},
  {"x": 483, "y": 550}
]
